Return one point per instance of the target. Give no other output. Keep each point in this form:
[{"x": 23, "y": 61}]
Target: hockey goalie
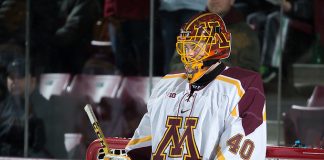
[{"x": 211, "y": 111}]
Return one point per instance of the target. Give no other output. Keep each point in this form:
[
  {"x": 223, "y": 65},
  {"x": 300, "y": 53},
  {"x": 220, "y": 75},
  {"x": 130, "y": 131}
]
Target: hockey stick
[{"x": 97, "y": 129}]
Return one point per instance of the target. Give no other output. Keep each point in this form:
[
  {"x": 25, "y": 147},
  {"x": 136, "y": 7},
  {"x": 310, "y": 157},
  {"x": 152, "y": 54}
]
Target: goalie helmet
[{"x": 203, "y": 40}]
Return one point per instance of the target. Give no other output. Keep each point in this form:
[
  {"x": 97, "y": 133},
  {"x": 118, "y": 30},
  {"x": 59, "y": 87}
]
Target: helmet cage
[{"x": 200, "y": 45}]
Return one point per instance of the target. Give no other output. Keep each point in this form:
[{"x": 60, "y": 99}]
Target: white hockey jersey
[{"x": 224, "y": 120}]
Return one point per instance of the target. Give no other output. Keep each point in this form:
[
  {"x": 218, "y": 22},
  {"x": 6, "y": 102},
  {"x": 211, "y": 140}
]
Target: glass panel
[
  {"x": 16, "y": 82},
  {"x": 97, "y": 52}
]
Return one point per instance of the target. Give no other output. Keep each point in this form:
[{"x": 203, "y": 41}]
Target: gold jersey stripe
[
  {"x": 219, "y": 154},
  {"x": 181, "y": 75},
  {"x": 236, "y": 83},
  {"x": 264, "y": 116},
  {"x": 139, "y": 140},
  {"x": 234, "y": 112}
]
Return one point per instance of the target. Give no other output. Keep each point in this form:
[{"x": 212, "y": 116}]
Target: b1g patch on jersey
[
  {"x": 171, "y": 94},
  {"x": 177, "y": 141}
]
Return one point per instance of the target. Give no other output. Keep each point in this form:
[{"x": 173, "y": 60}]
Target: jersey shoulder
[
  {"x": 170, "y": 82},
  {"x": 251, "y": 106},
  {"x": 246, "y": 78}
]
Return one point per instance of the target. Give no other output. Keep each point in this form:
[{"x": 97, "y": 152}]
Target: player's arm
[
  {"x": 244, "y": 136},
  {"x": 139, "y": 147}
]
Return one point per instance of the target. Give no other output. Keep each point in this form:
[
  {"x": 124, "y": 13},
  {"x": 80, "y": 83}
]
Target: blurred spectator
[
  {"x": 318, "y": 45},
  {"x": 257, "y": 15},
  {"x": 76, "y": 19},
  {"x": 8, "y": 52},
  {"x": 60, "y": 31},
  {"x": 12, "y": 20},
  {"x": 102, "y": 59},
  {"x": 129, "y": 33},
  {"x": 12, "y": 116},
  {"x": 173, "y": 14},
  {"x": 245, "y": 51},
  {"x": 318, "y": 20},
  {"x": 13, "y": 27},
  {"x": 297, "y": 25}
]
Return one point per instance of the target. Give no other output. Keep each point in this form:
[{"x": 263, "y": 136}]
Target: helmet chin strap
[
  {"x": 210, "y": 62},
  {"x": 206, "y": 67},
  {"x": 214, "y": 70}
]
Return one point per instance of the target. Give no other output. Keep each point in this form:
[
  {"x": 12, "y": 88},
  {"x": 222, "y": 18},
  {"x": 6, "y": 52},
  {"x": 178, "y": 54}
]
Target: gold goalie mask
[{"x": 202, "y": 41}]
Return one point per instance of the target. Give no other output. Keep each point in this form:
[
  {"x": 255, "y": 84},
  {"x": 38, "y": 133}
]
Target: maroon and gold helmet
[{"x": 204, "y": 37}]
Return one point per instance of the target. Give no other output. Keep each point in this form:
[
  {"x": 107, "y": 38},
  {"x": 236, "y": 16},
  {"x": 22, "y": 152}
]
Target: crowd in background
[
  {"x": 112, "y": 37},
  {"x": 61, "y": 32}
]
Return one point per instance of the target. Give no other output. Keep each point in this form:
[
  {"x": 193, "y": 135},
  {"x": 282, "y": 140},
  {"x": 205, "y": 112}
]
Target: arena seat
[
  {"x": 317, "y": 97},
  {"x": 95, "y": 87},
  {"x": 53, "y": 84},
  {"x": 305, "y": 124}
]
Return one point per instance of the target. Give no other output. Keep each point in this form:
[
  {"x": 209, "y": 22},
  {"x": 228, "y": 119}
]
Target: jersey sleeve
[
  {"x": 244, "y": 136},
  {"x": 139, "y": 147}
]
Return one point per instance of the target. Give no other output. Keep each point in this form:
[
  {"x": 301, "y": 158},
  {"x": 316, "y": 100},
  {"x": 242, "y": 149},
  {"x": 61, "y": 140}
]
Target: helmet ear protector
[{"x": 203, "y": 40}]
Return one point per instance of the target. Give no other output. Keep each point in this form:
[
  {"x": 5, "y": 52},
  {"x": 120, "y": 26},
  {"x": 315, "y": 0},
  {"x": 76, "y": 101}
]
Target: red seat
[
  {"x": 119, "y": 144},
  {"x": 317, "y": 97},
  {"x": 53, "y": 84},
  {"x": 305, "y": 124},
  {"x": 95, "y": 87}
]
